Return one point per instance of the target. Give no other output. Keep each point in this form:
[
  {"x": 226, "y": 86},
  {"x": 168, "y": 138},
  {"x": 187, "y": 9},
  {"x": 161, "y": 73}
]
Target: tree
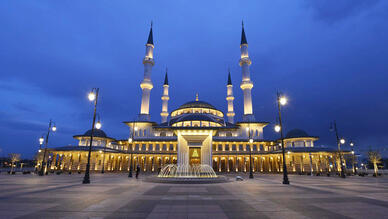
[
  {"x": 14, "y": 158},
  {"x": 374, "y": 157}
]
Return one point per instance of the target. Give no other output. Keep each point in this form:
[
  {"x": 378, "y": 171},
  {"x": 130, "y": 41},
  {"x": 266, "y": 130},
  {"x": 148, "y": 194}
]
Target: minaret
[
  {"x": 246, "y": 84},
  {"x": 146, "y": 85},
  {"x": 230, "y": 98},
  {"x": 165, "y": 98}
]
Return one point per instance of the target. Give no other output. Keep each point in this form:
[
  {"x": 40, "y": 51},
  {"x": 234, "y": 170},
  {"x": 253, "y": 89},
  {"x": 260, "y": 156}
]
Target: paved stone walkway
[{"x": 116, "y": 196}]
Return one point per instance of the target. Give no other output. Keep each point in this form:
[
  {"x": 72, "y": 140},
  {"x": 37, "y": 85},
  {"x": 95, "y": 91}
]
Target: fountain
[
  {"x": 184, "y": 172},
  {"x": 187, "y": 171}
]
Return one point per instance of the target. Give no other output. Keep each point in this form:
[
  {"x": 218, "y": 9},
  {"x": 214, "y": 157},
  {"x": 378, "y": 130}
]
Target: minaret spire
[
  {"x": 165, "y": 79},
  {"x": 146, "y": 85},
  {"x": 229, "y": 79},
  {"x": 150, "y": 37},
  {"x": 165, "y": 98},
  {"x": 246, "y": 84},
  {"x": 230, "y": 98},
  {"x": 243, "y": 37}
]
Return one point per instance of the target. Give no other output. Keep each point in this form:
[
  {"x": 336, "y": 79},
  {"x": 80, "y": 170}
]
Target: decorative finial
[{"x": 196, "y": 97}]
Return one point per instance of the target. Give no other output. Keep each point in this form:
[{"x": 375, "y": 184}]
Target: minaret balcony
[
  {"x": 230, "y": 114},
  {"x": 245, "y": 60},
  {"x": 164, "y": 114},
  {"x": 165, "y": 97},
  {"x": 230, "y": 98},
  {"x": 146, "y": 85},
  {"x": 246, "y": 85},
  {"x": 149, "y": 60}
]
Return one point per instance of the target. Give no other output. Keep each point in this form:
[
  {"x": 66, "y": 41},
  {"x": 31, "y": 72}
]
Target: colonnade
[
  {"x": 273, "y": 163},
  {"x": 265, "y": 163},
  {"x": 111, "y": 162}
]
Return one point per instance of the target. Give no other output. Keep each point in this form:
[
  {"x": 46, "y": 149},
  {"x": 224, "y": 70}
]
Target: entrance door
[{"x": 194, "y": 155}]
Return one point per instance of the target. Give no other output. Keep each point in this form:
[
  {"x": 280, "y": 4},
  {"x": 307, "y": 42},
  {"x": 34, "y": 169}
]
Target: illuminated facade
[{"x": 196, "y": 133}]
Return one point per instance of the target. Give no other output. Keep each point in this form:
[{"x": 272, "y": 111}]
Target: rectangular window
[
  {"x": 227, "y": 147},
  {"x": 136, "y": 147},
  {"x": 143, "y": 147},
  {"x": 171, "y": 147},
  {"x": 233, "y": 147},
  {"x": 157, "y": 147},
  {"x": 240, "y": 147},
  {"x": 254, "y": 147},
  {"x": 220, "y": 147},
  {"x": 150, "y": 147},
  {"x": 164, "y": 147},
  {"x": 214, "y": 147},
  {"x": 261, "y": 147},
  {"x": 247, "y": 147}
]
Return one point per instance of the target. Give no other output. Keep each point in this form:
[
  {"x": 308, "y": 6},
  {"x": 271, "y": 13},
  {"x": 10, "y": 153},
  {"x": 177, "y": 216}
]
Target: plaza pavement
[{"x": 116, "y": 196}]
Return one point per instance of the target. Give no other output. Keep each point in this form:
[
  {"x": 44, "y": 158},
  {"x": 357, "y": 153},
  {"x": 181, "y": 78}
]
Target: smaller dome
[
  {"x": 296, "y": 133},
  {"x": 96, "y": 133},
  {"x": 198, "y": 117}
]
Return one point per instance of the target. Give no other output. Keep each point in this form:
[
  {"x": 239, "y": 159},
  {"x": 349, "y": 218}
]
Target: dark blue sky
[{"x": 328, "y": 57}]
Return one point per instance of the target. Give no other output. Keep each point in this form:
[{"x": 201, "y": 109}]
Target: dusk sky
[{"x": 329, "y": 57}]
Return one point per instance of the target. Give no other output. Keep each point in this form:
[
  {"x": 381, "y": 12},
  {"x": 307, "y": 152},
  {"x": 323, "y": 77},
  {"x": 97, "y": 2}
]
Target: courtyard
[{"x": 117, "y": 196}]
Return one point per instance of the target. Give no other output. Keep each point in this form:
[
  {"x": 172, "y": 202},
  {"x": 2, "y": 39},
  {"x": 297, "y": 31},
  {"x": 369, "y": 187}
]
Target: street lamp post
[
  {"x": 53, "y": 128},
  {"x": 250, "y": 159},
  {"x": 353, "y": 158},
  {"x": 130, "y": 140},
  {"x": 41, "y": 140},
  {"x": 103, "y": 161},
  {"x": 98, "y": 126},
  {"x": 93, "y": 96},
  {"x": 282, "y": 101},
  {"x": 250, "y": 153},
  {"x": 131, "y": 157},
  {"x": 339, "y": 142}
]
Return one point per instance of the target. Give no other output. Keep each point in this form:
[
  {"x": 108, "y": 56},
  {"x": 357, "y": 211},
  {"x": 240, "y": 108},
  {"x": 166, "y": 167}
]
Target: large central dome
[
  {"x": 197, "y": 114},
  {"x": 197, "y": 104}
]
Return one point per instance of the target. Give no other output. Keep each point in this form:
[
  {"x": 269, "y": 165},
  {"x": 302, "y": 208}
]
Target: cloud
[
  {"x": 25, "y": 107},
  {"x": 334, "y": 11}
]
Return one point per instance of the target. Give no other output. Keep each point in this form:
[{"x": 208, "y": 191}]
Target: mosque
[{"x": 195, "y": 133}]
